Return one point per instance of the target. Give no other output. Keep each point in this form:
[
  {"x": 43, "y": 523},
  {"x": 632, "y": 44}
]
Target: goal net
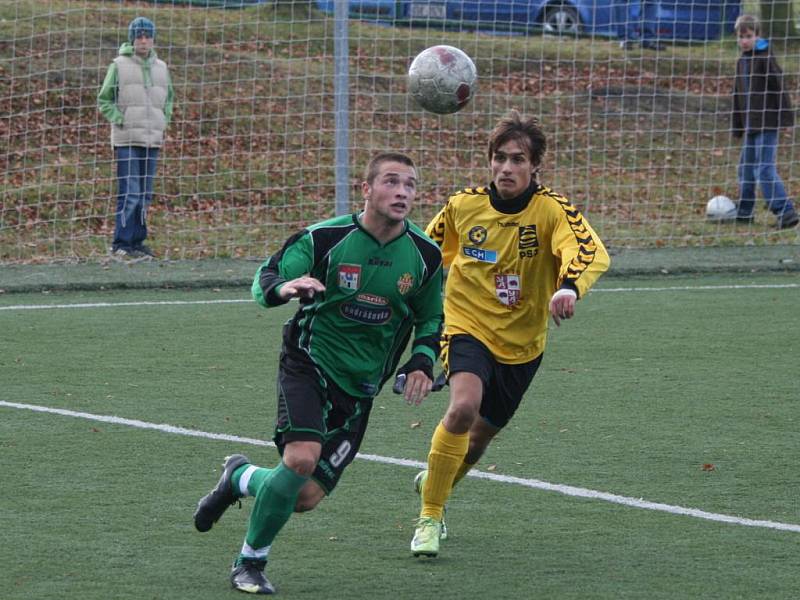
[{"x": 639, "y": 137}]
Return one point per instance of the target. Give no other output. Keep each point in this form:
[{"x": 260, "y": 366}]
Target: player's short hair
[
  {"x": 371, "y": 172},
  {"x": 747, "y": 23},
  {"x": 525, "y": 131}
]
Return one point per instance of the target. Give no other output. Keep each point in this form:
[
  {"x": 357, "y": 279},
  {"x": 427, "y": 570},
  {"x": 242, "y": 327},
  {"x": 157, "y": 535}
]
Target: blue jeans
[
  {"x": 136, "y": 169},
  {"x": 757, "y": 167}
]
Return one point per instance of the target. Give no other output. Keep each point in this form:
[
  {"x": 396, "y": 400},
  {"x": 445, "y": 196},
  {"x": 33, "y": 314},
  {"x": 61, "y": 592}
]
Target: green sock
[
  {"x": 274, "y": 504},
  {"x": 255, "y": 478}
]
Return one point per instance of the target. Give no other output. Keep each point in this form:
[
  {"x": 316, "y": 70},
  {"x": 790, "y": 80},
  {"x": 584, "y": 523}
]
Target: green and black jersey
[{"x": 356, "y": 331}]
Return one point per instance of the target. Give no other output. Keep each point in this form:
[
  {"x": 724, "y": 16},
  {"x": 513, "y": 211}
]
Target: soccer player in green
[{"x": 363, "y": 282}]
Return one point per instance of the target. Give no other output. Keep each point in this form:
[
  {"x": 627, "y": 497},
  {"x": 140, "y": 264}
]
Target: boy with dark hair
[
  {"x": 761, "y": 106},
  {"x": 517, "y": 253}
]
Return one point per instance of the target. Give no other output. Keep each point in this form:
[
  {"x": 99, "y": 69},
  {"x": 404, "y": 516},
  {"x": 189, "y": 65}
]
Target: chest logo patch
[
  {"x": 368, "y": 315},
  {"x": 477, "y": 235},
  {"x": 480, "y": 254},
  {"x": 349, "y": 276},
  {"x": 527, "y": 237},
  {"x": 405, "y": 283},
  {"x": 507, "y": 289},
  {"x": 372, "y": 299}
]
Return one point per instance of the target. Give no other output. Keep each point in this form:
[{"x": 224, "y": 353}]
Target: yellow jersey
[{"x": 506, "y": 258}]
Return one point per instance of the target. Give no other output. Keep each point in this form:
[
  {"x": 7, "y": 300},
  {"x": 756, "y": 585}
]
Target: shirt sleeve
[
  {"x": 442, "y": 230},
  {"x": 107, "y": 97},
  {"x": 428, "y": 317},
  {"x": 582, "y": 255},
  {"x": 170, "y": 102},
  {"x": 294, "y": 260}
]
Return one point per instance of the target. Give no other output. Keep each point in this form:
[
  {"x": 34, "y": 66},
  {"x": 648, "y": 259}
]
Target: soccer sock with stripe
[
  {"x": 445, "y": 457},
  {"x": 274, "y": 504},
  {"x": 247, "y": 479}
]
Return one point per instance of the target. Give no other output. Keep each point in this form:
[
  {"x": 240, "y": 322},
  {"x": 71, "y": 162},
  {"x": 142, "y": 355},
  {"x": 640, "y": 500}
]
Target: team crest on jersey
[
  {"x": 349, "y": 276},
  {"x": 477, "y": 235},
  {"x": 507, "y": 289},
  {"x": 404, "y": 283}
]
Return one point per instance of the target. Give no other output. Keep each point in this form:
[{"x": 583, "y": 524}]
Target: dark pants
[{"x": 136, "y": 169}]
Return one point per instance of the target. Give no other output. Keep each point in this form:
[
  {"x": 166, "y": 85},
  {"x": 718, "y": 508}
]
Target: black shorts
[
  {"x": 313, "y": 408},
  {"x": 504, "y": 385}
]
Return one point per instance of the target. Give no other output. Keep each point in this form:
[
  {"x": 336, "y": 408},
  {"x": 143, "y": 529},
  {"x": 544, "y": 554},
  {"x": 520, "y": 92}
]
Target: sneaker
[
  {"x": 248, "y": 576},
  {"x": 130, "y": 255},
  {"x": 217, "y": 501},
  {"x": 123, "y": 253},
  {"x": 788, "y": 219},
  {"x": 419, "y": 481},
  {"x": 145, "y": 250},
  {"x": 426, "y": 537}
]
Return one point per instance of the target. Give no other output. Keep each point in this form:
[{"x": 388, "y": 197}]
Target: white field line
[
  {"x": 116, "y": 304},
  {"x": 566, "y": 490},
  {"x": 686, "y": 288},
  {"x": 702, "y": 288}
]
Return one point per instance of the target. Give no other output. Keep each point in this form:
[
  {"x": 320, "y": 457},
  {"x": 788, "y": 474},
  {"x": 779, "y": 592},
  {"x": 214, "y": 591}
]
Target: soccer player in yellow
[{"x": 517, "y": 253}]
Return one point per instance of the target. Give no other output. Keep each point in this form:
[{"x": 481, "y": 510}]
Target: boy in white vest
[{"x": 136, "y": 98}]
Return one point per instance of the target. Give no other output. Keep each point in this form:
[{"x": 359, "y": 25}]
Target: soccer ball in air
[
  {"x": 720, "y": 208},
  {"x": 442, "y": 79}
]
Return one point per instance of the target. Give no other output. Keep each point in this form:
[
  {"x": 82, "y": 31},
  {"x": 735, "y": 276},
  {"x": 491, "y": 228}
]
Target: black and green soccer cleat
[
  {"x": 248, "y": 576},
  {"x": 212, "y": 505}
]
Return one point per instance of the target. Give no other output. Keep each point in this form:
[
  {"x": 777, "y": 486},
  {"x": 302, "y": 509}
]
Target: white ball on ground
[{"x": 720, "y": 208}]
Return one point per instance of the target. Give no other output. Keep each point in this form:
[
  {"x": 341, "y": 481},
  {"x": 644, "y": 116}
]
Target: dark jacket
[{"x": 759, "y": 100}]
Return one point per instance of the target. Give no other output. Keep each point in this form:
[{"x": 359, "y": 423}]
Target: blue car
[{"x": 670, "y": 20}]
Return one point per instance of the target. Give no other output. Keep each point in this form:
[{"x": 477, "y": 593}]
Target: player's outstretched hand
[
  {"x": 562, "y": 305},
  {"x": 302, "y": 287},
  {"x": 415, "y": 386},
  {"x": 414, "y": 379}
]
